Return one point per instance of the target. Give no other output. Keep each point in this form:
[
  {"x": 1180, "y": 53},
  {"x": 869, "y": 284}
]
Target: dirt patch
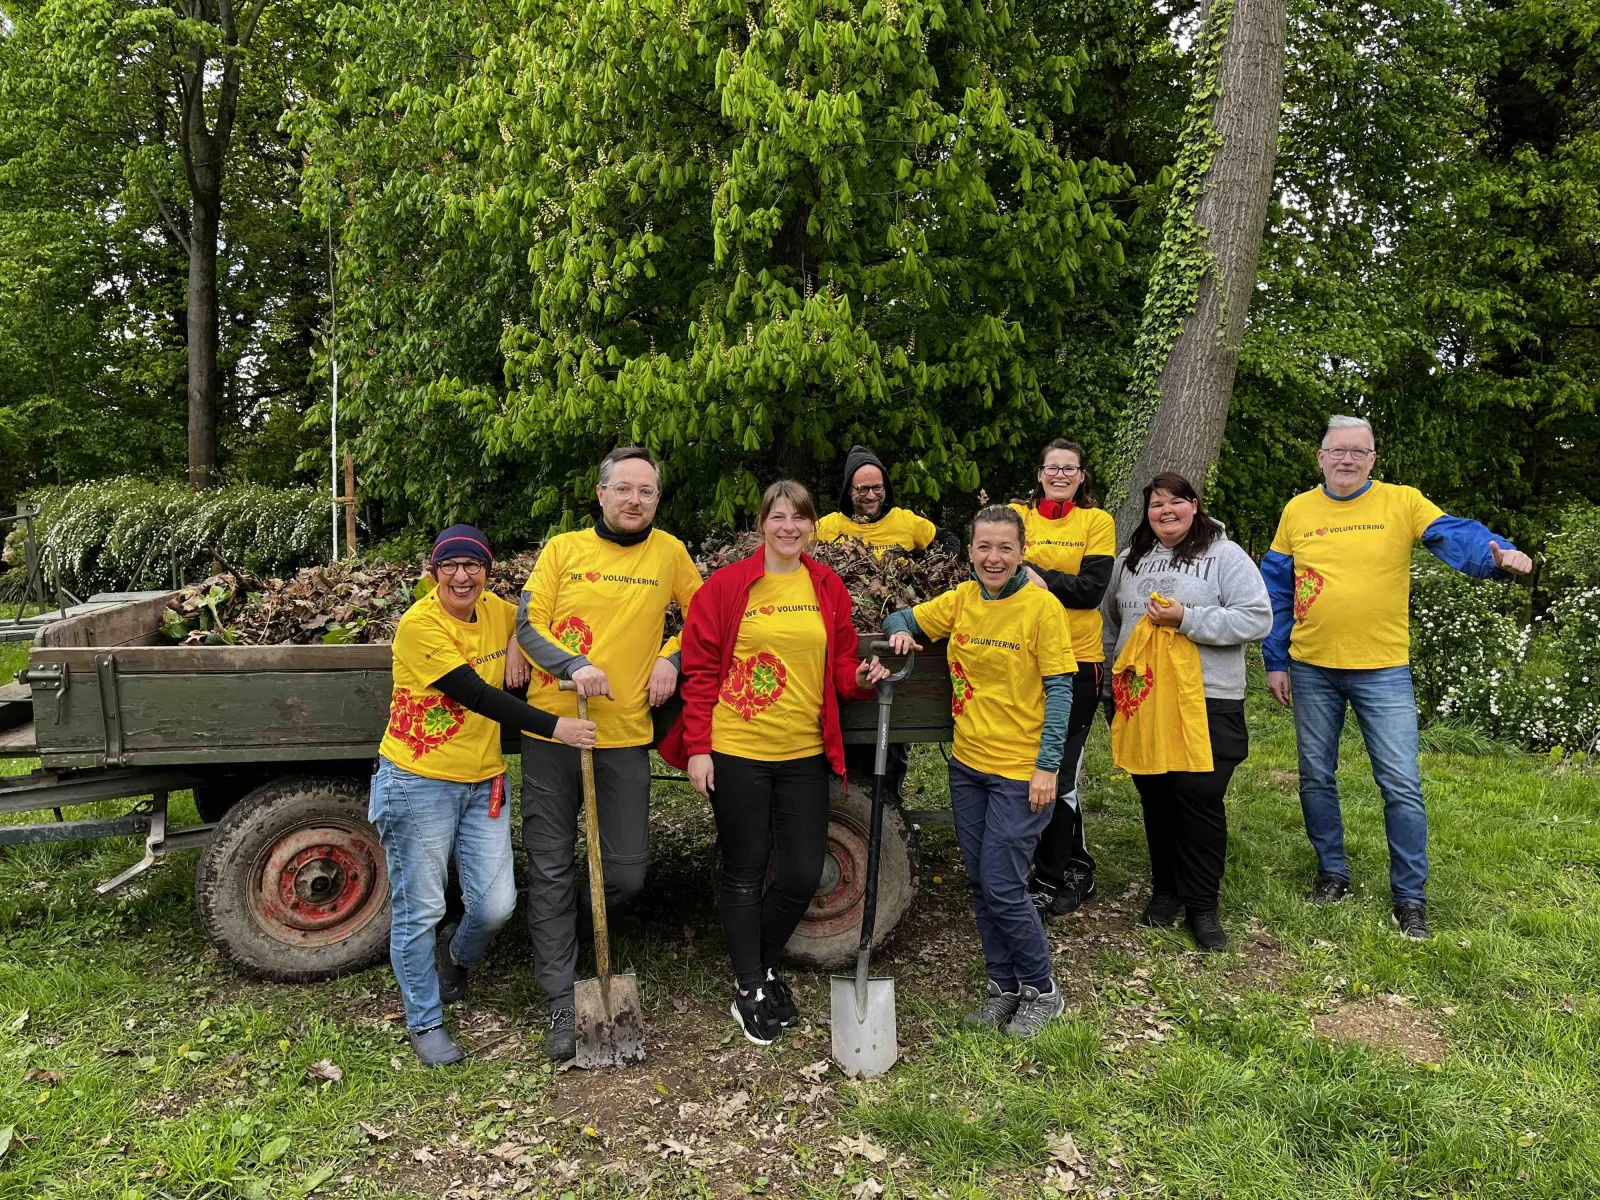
[{"x": 1387, "y": 1023}]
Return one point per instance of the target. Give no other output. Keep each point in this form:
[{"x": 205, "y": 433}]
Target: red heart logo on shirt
[
  {"x": 766, "y": 610},
  {"x": 1322, "y": 532},
  {"x": 754, "y": 684},
  {"x": 1130, "y": 689},
  {"x": 592, "y": 576},
  {"x": 962, "y": 639}
]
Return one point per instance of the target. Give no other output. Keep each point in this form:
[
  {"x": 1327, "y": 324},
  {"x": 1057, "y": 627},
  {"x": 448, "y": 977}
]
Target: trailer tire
[
  {"x": 294, "y": 887},
  {"x": 829, "y": 934}
]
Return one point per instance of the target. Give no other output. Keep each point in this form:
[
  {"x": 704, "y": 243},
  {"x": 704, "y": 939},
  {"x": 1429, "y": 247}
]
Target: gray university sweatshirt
[{"x": 1225, "y": 605}]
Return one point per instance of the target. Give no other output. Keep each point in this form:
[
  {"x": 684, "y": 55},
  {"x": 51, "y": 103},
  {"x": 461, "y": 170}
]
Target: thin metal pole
[{"x": 333, "y": 358}]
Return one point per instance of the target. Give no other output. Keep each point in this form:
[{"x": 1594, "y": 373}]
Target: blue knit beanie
[{"x": 461, "y": 541}]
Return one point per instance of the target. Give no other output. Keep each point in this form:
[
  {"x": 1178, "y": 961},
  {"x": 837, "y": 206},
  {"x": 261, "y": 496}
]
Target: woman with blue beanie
[{"x": 440, "y": 784}]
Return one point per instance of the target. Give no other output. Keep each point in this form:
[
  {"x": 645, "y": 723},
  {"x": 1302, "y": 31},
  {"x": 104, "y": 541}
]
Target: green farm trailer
[{"x": 277, "y": 744}]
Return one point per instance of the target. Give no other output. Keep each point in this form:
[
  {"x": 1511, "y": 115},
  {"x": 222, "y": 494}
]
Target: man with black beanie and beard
[{"x": 867, "y": 512}]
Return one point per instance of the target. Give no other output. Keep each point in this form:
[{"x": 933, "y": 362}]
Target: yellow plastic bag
[{"x": 1160, "y": 698}]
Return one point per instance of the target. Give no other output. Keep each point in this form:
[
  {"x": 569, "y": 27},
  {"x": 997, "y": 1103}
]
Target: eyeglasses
[
  {"x": 870, "y": 489},
  {"x": 1339, "y": 452},
  {"x": 1053, "y": 470},
  {"x": 469, "y": 567},
  {"x": 626, "y": 491}
]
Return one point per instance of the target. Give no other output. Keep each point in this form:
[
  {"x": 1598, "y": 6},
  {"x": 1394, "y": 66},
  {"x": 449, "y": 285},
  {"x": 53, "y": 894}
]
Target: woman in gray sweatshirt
[{"x": 1219, "y": 602}]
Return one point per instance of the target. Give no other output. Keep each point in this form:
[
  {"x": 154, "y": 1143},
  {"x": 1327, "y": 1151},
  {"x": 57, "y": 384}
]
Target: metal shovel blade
[
  {"x": 865, "y": 1040},
  {"x": 610, "y": 1023}
]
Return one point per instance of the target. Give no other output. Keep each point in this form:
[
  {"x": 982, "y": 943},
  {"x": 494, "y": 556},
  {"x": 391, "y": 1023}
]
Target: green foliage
[
  {"x": 1478, "y": 660},
  {"x": 93, "y": 203},
  {"x": 1572, "y": 555},
  {"x": 744, "y": 236},
  {"x": 111, "y": 534}
]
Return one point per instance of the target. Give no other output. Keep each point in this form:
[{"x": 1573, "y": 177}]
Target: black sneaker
[
  {"x": 1412, "y": 921},
  {"x": 561, "y": 1039},
  {"x": 780, "y": 1001},
  {"x": 452, "y": 978},
  {"x": 1161, "y": 912},
  {"x": 754, "y": 1018},
  {"x": 1329, "y": 889},
  {"x": 1076, "y": 890},
  {"x": 1208, "y": 931}
]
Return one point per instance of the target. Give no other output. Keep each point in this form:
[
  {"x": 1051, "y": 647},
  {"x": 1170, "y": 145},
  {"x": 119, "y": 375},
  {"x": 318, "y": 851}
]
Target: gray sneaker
[
  {"x": 996, "y": 1010},
  {"x": 435, "y": 1047},
  {"x": 1035, "y": 1010},
  {"x": 561, "y": 1041}
]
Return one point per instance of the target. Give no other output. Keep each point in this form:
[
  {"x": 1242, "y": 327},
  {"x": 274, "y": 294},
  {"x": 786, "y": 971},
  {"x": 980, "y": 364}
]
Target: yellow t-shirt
[
  {"x": 429, "y": 733},
  {"x": 897, "y": 527},
  {"x": 770, "y": 705},
  {"x": 999, "y": 653},
  {"x": 1061, "y": 545},
  {"x": 1352, "y": 574},
  {"x": 608, "y": 603}
]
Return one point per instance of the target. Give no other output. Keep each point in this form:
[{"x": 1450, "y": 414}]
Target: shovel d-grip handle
[{"x": 597, "y": 882}]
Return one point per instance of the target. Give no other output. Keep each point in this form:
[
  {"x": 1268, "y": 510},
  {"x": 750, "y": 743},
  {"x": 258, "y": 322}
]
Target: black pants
[
  {"x": 552, "y": 810},
  {"x": 767, "y": 809},
  {"x": 1063, "y": 846},
  {"x": 1185, "y": 820}
]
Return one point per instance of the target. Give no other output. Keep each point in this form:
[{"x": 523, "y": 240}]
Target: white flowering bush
[
  {"x": 1477, "y": 661},
  {"x": 112, "y": 534}
]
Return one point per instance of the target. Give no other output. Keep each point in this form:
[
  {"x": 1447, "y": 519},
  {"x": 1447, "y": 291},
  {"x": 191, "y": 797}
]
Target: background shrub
[{"x": 110, "y": 535}]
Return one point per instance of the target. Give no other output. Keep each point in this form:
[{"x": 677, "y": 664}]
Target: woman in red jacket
[{"x": 768, "y": 648}]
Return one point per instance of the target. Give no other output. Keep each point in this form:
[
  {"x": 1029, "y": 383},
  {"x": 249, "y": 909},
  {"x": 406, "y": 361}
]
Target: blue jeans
[
  {"x": 420, "y": 822},
  {"x": 998, "y": 833},
  {"x": 1386, "y": 710}
]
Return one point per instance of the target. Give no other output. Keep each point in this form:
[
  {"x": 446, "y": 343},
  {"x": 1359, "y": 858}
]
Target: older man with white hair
[{"x": 1339, "y": 574}]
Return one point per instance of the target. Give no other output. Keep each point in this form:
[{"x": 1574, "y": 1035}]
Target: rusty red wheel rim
[
  {"x": 319, "y": 884},
  {"x": 836, "y": 906}
]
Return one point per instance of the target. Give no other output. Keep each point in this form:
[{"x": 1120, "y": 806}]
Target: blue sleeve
[
  {"x": 1057, "y": 709},
  {"x": 1278, "y": 571},
  {"x": 902, "y": 621},
  {"x": 1462, "y": 543}
]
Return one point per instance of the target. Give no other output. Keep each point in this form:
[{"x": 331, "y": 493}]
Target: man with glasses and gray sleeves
[
  {"x": 1339, "y": 575},
  {"x": 594, "y": 612}
]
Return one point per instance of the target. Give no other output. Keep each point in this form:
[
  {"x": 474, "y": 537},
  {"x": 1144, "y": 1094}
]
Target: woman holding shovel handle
[
  {"x": 440, "y": 783},
  {"x": 768, "y": 648},
  {"x": 1011, "y": 669}
]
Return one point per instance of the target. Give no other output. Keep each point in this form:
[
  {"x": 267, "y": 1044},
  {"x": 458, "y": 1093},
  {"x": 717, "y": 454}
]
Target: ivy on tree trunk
[{"x": 1193, "y": 322}]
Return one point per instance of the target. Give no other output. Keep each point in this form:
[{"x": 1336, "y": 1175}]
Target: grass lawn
[{"x": 1324, "y": 1058}]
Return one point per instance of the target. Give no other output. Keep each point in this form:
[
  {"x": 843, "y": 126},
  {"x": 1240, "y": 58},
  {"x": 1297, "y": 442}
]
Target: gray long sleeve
[
  {"x": 1243, "y": 611},
  {"x": 548, "y": 655}
]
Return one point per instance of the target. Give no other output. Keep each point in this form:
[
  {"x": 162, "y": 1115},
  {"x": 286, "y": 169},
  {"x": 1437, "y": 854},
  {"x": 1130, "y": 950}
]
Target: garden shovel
[
  {"x": 606, "y": 1011},
  {"x": 865, "y": 1038}
]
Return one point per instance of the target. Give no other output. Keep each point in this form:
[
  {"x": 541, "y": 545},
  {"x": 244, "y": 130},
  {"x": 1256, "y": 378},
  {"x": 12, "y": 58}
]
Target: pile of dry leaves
[{"x": 355, "y": 602}]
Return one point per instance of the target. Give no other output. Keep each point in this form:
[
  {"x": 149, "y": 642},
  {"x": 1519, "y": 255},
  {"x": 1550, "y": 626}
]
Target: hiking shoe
[
  {"x": 1161, "y": 912},
  {"x": 435, "y": 1047},
  {"x": 452, "y": 978},
  {"x": 780, "y": 1001},
  {"x": 1329, "y": 889},
  {"x": 561, "y": 1038},
  {"x": 1035, "y": 1010},
  {"x": 751, "y": 1013},
  {"x": 996, "y": 1011},
  {"x": 1412, "y": 921},
  {"x": 1208, "y": 931},
  {"x": 1076, "y": 890}
]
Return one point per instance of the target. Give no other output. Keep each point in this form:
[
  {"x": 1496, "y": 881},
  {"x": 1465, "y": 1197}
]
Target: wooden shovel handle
[{"x": 597, "y": 882}]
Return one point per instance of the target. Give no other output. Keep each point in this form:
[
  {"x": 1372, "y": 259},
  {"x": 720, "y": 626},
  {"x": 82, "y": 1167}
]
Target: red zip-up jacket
[{"x": 710, "y": 631}]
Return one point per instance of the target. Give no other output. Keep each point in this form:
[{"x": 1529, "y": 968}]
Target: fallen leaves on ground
[{"x": 325, "y": 1069}]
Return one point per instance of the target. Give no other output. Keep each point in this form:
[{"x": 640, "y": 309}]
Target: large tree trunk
[
  {"x": 1195, "y": 382},
  {"x": 205, "y": 378}
]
